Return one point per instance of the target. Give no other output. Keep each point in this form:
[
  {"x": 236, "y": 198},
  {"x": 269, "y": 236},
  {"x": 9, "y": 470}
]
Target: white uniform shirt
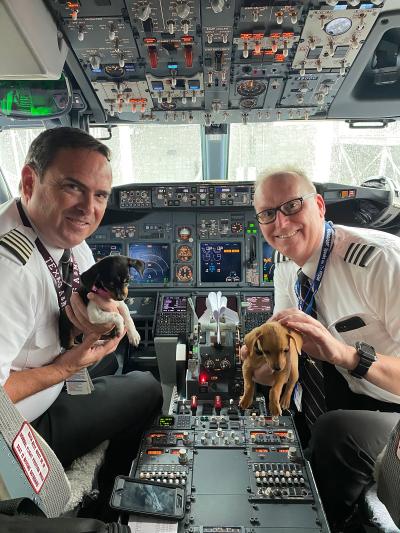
[
  {"x": 348, "y": 289},
  {"x": 29, "y": 310}
]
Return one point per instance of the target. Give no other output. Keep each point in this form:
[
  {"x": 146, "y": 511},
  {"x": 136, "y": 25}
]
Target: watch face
[
  {"x": 367, "y": 357},
  {"x": 366, "y": 349}
]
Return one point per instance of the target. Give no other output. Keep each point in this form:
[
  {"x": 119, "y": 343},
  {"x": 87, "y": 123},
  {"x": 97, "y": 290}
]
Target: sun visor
[{"x": 31, "y": 46}]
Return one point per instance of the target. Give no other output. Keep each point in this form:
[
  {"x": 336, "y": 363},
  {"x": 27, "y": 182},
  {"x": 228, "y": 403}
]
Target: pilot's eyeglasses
[{"x": 288, "y": 208}]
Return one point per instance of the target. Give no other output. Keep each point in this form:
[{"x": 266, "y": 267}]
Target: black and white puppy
[{"x": 108, "y": 278}]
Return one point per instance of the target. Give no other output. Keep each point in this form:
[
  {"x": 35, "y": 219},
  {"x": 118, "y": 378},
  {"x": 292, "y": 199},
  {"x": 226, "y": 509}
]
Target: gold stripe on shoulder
[{"x": 18, "y": 245}]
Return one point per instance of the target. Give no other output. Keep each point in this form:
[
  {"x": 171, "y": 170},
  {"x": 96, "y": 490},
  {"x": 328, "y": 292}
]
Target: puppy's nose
[{"x": 277, "y": 368}]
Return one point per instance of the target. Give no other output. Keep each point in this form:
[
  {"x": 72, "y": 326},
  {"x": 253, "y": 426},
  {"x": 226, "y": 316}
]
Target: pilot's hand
[
  {"x": 262, "y": 375},
  {"x": 317, "y": 341},
  {"x": 77, "y": 313},
  {"x": 82, "y": 355}
]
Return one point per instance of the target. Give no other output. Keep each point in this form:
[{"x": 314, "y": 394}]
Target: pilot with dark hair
[
  {"x": 65, "y": 185},
  {"x": 338, "y": 287}
]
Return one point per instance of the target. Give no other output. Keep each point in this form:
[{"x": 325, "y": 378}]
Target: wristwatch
[{"x": 367, "y": 357}]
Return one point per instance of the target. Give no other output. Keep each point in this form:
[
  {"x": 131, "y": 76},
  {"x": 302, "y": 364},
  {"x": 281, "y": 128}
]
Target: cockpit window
[
  {"x": 327, "y": 151},
  {"x": 14, "y": 144},
  {"x": 155, "y": 153}
]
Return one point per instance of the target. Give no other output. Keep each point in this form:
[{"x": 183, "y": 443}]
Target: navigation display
[
  {"x": 268, "y": 263},
  {"x": 174, "y": 304},
  {"x": 257, "y": 304},
  {"x": 220, "y": 262},
  {"x": 103, "y": 249},
  {"x": 157, "y": 259}
]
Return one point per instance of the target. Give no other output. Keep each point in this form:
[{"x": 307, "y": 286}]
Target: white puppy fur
[{"x": 121, "y": 320}]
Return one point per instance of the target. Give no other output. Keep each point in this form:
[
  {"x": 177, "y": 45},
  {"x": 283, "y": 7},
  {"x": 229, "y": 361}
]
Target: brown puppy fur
[{"x": 279, "y": 347}]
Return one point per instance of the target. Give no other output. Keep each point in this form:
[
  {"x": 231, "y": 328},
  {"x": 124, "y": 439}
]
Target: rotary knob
[
  {"x": 183, "y": 456},
  {"x": 225, "y": 363}
]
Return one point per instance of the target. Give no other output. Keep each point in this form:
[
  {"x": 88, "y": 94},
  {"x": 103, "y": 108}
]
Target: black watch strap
[{"x": 367, "y": 357}]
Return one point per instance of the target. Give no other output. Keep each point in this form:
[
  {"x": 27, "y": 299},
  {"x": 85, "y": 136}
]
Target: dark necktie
[
  {"x": 66, "y": 272},
  {"x": 311, "y": 376}
]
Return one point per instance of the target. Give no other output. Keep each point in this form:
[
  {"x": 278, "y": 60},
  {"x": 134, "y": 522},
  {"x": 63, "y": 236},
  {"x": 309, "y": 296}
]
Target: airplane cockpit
[{"x": 195, "y": 100}]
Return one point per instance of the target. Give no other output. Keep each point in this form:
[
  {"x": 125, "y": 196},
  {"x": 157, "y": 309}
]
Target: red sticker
[{"x": 31, "y": 457}]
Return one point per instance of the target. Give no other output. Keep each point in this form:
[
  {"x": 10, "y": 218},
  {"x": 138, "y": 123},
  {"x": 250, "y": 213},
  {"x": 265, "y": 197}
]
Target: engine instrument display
[{"x": 221, "y": 262}]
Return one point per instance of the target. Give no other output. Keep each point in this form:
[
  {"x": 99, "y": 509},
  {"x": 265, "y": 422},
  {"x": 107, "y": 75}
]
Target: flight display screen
[
  {"x": 220, "y": 262},
  {"x": 257, "y": 304},
  {"x": 104, "y": 249},
  {"x": 174, "y": 304},
  {"x": 157, "y": 260},
  {"x": 268, "y": 263}
]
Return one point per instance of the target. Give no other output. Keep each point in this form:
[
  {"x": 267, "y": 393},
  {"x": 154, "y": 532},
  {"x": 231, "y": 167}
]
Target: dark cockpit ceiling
[{"x": 217, "y": 62}]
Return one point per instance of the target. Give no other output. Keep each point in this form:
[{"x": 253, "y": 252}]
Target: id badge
[{"x": 80, "y": 383}]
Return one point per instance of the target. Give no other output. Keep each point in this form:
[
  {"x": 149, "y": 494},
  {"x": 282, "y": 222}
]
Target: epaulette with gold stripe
[
  {"x": 18, "y": 245},
  {"x": 360, "y": 254},
  {"x": 280, "y": 258}
]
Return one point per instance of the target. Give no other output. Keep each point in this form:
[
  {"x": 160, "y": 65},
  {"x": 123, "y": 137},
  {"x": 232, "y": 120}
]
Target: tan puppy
[{"x": 279, "y": 347}]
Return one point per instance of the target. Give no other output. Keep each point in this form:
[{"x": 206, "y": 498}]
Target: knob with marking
[
  {"x": 183, "y": 456},
  {"x": 182, "y": 10},
  {"x": 95, "y": 61}
]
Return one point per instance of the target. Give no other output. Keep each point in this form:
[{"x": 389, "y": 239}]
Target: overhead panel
[{"x": 217, "y": 61}]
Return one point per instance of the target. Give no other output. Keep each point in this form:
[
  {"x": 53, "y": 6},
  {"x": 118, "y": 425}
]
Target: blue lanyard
[{"x": 323, "y": 259}]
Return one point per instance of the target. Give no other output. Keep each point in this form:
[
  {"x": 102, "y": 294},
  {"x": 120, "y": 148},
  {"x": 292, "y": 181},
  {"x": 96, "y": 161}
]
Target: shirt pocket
[
  {"x": 373, "y": 331},
  {"x": 44, "y": 347}
]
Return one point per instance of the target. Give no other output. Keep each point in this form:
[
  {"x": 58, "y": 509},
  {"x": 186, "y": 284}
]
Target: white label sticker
[
  {"x": 31, "y": 457},
  {"x": 398, "y": 450},
  {"x": 143, "y": 524}
]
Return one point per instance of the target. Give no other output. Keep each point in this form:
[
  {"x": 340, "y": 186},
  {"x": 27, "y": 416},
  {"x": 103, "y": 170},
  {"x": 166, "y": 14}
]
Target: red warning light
[{"x": 203, "y": 378}]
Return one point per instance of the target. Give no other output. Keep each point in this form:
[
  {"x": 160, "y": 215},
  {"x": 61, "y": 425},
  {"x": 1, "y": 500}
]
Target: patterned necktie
[
  {"x": 66, "y": 272},
  {"x": 311, "y": 376}
]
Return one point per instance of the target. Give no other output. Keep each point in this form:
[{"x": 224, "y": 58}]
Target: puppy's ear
[
  {"x": 251, "y": 338},
  {"x": 296, "y": 340},
  {"x": 137, "y": 264},
  {"x": 89, "y": 278}
]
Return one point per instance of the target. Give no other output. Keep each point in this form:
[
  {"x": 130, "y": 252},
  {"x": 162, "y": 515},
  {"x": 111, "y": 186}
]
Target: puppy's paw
[
  {"x": 245, "y": 402},
  {"x": 285, "y": 401},
  {"x": 134, "y": 337},
  {"x": 275, "y": 409}
]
